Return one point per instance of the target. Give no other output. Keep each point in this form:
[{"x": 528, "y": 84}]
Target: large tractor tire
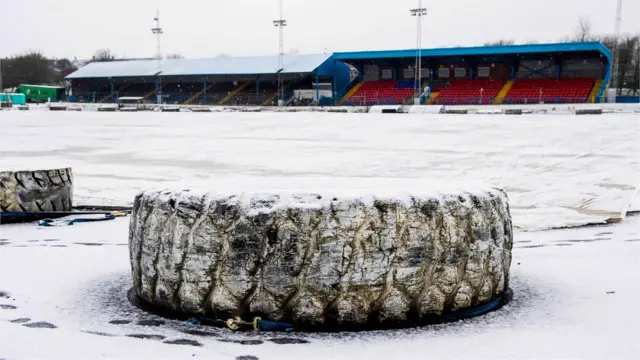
[
  {"x": 321, "y": 260},
  {"x": 36, "y": 191}
]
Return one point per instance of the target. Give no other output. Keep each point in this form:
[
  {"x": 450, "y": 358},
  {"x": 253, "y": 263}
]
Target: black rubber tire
[
  {"x": 36, "y": 191},
  {"x": 321, "y": 262}
]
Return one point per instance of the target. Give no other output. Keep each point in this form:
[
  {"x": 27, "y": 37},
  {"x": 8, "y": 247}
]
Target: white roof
[
  {"x": 117, "y": 69},
  {"x": 43, "y": 86},
  {"x": 294, "y": 64},
  {"x": 213, "y": 66},
  {"x": 131, "y": 98}
]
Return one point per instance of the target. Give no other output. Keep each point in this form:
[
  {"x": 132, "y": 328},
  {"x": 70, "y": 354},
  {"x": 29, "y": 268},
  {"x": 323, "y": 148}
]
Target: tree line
[
  {"x": 628, "y": 74},
  {"x": 32, "y": 67}
]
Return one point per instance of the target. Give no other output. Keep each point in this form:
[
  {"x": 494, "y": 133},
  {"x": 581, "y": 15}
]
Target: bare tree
[
  {"x": 103, "y": 55},
  {"x": 174, "y": 56},
  {"x": 500, "y": 42},
  {"x": 61, "y": 69},
  {"x": 584, "y": 31},
  {"x": 565, "y": 39},
  {"x": 636, "y": 78},
  {"x": 628, "y": 73},
  {"x": 628, "y": 58},
  {"x": 32, "y": 67}
]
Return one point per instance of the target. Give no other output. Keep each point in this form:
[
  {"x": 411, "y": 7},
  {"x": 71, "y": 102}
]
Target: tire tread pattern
[{"x": 36, "y": 191}]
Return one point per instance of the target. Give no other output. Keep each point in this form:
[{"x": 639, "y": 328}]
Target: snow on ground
[
  {"x": 575, "y": 291},
  {"x": 559, "y": 170},
  {"x": 575, "y": 297}
]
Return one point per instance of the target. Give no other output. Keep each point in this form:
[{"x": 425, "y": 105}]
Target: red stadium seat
[
  {"x": 465, "y": 91},
  {"x": 550, "y": 91},
  {"x": 381, "y": 92}
]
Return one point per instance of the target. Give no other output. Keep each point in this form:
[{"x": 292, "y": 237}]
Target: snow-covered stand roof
[
  {"x": 213, "y": 66},
  {"x": 479, "y": 51},
  {"x": 296, "y": 64},
  {"x": 116, "y": 68},
  {"x": 258, "y": 65}
]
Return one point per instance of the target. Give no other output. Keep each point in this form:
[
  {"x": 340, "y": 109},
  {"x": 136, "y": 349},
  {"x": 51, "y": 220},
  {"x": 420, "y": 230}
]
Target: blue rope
[
  {"x": 274, "y": 326},
  {"x": 52, "y": 213},
  {"x": 476, "y": 311},
  {"x": 49, "y": 222}
]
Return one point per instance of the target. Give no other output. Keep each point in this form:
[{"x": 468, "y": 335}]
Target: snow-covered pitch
[
  {"x": 558, "y": 170},
  {"x": 575, "y": 296},
  {"x": 575, "y": 291}
]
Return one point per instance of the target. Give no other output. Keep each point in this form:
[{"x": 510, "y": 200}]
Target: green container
[
  {"x": 4, "y": 97},
  {"x": 41, "y": 93}
]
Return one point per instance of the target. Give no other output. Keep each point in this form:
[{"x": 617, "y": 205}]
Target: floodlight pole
[
  {"x": 616, "y": 51},
  {"x": 418, "y": 12},
  {"x": 280, "y": 24},
  {"x": 158, "y": 32}
]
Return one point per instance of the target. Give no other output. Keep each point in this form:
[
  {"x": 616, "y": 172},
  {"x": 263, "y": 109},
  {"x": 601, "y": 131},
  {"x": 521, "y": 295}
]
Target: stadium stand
[
  {"x": 550, "y": 91},
  {"x": 547, "y": 73},
  {"x": 382, "y": 92},
  {"x": 238, "y": 80},
  {"x": 249, "y": 95},
  {"x": 462, "y": 91}
]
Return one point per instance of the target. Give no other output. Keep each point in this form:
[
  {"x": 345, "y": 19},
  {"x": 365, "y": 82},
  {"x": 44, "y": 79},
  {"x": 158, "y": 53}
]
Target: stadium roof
[
  {"x": 259, "y": 65},
  {"x": 479, "y": 51},
  {"x": 214, "y": 66}
]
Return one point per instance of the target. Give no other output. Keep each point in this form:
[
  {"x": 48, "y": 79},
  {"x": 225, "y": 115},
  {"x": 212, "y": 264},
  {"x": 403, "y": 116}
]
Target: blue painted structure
[
  {"x": 340, "y": 74},
  {"x": 465, "y": 52},
  {"x": 333, "y": 67},
  {"x": 628, "y": 99},
  {"x": 113, "y": 91},
  {"x": 502, "y": 53}
]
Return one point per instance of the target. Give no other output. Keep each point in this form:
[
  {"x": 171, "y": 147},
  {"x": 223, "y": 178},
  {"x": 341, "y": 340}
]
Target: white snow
[
  {"x": 561, "y": 307},
  {"x": 575, "y": 291},
  {"x": 557, "y": 169},
  {"x": 316, "y": 193},
  {"x": 558, "y": 109}
]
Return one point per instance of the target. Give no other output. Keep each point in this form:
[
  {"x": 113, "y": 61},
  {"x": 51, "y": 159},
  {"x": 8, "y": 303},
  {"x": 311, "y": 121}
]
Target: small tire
[{"x": 36, "y": 191}]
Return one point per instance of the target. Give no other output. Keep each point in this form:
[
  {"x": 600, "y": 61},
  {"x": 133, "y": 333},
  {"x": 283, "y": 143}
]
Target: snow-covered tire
[
  {"x": 36, "y": 191},
  {"x": 318, "y": 261}
]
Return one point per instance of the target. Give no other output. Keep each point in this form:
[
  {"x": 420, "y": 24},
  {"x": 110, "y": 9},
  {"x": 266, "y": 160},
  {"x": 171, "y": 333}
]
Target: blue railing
[
  {"x": 628, "y": 99},
  {"x": 405, "y": 84}
]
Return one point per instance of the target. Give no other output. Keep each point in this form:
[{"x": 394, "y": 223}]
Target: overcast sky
[{"x": 206, "y": 28}]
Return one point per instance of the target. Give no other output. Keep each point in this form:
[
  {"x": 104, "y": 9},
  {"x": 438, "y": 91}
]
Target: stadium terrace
[{"x": 509, "y": 74}]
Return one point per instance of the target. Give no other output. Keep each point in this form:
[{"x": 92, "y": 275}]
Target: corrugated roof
[
  {"x": 116, "y": 69},
  {"x": 214, "y": 66},
  {"x": 294, "y": 64},
  {"x": 221, "y": 66},
  {"x": 477, "y": 51}
]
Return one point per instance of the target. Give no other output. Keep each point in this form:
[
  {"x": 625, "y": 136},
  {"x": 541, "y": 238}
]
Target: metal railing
[
  {"x": 546, "y": 100},
  {"x": 244, "y": 99},
  {"x": 177, "y": 97},
  {"x": 368, "y": 101}
]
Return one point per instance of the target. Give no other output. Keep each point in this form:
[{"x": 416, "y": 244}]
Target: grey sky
[{"x": 205, "y": 28}]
